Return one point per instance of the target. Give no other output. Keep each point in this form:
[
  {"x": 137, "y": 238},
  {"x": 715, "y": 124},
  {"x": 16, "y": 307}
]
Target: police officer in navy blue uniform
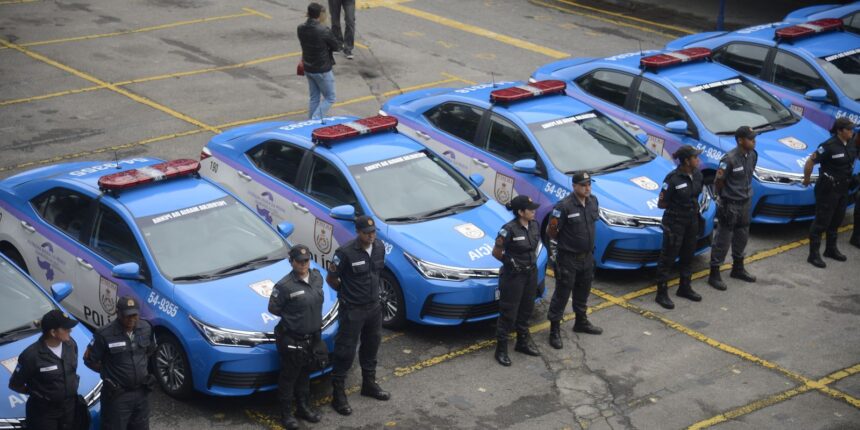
[
  {"x": 298, "y": 300},
  {"x": 680, "y": 199},
  {"x": 572, "y": 232},
  {"x": 516, "y": 247},
  {"x": 47, "y": 372},
  {"x": 733, "y": 190},
  {"x": 836, "y": 158},
  {"x": 354, "y": 273},
  {"x": 120, "y": 351}
]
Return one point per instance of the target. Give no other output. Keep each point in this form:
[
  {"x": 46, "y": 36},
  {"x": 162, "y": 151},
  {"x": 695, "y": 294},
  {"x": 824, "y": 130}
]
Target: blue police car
[
  {"x": 437, "y": 227},
  {"x": 681, "y": 98},
  {"x": 813, "y": 66},
  {"x": 22, "y": 303},
  {"x": 202, "y": 263},
  {"x": 848, "y": 13},
  {"x": 529, "y": 139}
]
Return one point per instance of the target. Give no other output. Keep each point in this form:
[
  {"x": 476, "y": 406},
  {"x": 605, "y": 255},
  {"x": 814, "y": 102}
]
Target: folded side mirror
[
  {"x": 286, "y": 229},
  {"x": 129, "y": 271},
  {"x": 677, "y": 127},
  {"x": 477, "y": 179},
  {"x": 61, "y": 290},
  {"x": 526, "y": 166},
  {"x": 816, "y": 95},
  {"x": 343, "y": 212}
]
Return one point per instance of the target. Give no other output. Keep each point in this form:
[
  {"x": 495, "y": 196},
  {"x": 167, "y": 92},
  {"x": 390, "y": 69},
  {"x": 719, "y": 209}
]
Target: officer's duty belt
[
  {"x": 574, "y": 255},
  {"x": 734, "y": 202}
]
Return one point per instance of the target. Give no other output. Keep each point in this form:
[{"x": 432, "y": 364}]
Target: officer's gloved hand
[{"x": 553, "y": 254}]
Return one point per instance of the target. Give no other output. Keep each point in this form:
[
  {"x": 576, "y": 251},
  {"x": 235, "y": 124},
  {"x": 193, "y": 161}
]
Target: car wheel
[
  {"x": 10, "y": 252},
  {"x": 393, "y": 306},
  {"x": 171, "y": 367}
]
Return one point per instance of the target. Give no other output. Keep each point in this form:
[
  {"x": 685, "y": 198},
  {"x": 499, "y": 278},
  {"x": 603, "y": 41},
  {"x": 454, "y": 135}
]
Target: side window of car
[
  {"x": 507, "y": 141},
  {"x": 278, "y": 159},
  {"x": 610, "y": 86},
  {"x": 657, "y": 104},
  {"x": 65, "y": 209},
  {"x": 793, "y": 73},
  {"x": 457, "y": 119},
  {"x": 112, "y": 239},
  {"x": 329, "y": 186},
  {"x": 852, "y": 22},
  {"x": 743, "y": 57}
]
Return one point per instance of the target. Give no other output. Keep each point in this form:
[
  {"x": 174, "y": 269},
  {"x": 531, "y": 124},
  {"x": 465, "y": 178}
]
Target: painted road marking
[
  {"x": 600, "y": 18},
  {"x": 632, "y": 18},
  {"x": 4, "y": 2}
]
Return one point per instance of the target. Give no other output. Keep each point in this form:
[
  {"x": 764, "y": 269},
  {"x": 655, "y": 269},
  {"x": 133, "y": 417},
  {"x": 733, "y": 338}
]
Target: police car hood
[
  {"x": 633, "y": 191},
  {"x": 785, "y": 149},
  {"x": 463, "y": 240},
  {"x": 12, "y": 403},
  {"x": 238, "y": 302}
]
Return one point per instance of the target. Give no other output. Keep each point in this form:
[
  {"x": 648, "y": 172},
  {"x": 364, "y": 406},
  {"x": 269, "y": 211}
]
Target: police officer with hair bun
[
  {"x": 516, "y": 247},
  {"x": 836, "y": 158},
  {"x": 47, "y": 373}
]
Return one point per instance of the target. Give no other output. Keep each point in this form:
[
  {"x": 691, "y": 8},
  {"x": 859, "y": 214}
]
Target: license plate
[{"x": 498, "y": 294}]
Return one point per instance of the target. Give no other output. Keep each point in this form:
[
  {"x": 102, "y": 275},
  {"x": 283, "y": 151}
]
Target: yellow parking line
[
  {"x": 465, "y": 81},
  {"x": 441, "y": 20},
  {"x": 51, "y": 95},
  {"x": 774, "y": 399},
  {"x": 600, "y": 18},
  {"x": 3, "y": 2},
  {"x": 632, "y": 18},
  {"x": 256, "y": 12}
]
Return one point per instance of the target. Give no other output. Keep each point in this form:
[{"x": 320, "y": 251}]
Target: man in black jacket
[{"x": 318, "y": 44}]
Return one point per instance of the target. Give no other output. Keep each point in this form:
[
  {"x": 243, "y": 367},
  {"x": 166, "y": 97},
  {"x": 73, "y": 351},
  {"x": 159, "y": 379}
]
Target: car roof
[
  {"x": 818, "y": 45},
  {"x": 678, "y": 76}
]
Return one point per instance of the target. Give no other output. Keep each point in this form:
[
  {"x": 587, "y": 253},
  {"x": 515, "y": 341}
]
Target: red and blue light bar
[
  {"x": 809, "y": 28},
  {"x": 674, "y": 58},
  {"x": 369, "y": 125},
  {"x": 144, "y": 175},
  {"x": 528, "y": 91}
]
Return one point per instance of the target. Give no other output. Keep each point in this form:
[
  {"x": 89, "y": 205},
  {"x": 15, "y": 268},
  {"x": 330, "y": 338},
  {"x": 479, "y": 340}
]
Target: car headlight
[
  {"x": 94, "y": 395},
  {"x": 449, "y": 273},
  {"x": 620, "y": 219},
  {"x": 778, "y": 177},
  {"x": 227, "y": 337},
  {"x": 705, "y": 200},
  {"x": 331, "y": 316}
]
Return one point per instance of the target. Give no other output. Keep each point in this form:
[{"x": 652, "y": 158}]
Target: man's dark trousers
[
  {"x": 357, "y": 323},
  {"x": 347, "y": 38}
]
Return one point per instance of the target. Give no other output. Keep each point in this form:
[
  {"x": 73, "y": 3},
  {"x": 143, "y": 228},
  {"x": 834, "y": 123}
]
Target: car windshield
[
  {"x": 589, "y": 142},
  {"x": 21, "y": 303},
  {"x": 210, "y": 240},
  {"x": 414, "y": 187},
  {"x": 844, "y": 69},
  {"x": 724, "y": 106}
]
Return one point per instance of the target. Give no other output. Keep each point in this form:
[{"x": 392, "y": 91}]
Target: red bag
[{"x": 300, "y": 68}]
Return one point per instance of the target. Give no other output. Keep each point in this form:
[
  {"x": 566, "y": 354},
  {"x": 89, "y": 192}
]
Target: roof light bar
[
  {"x": 809, "y": 28},
  {"x": 531, "y": 90},
  {"x": 369, "y": 125},
  {"x": 667, "y": 59},
  {"x": 143, "y": 175}
]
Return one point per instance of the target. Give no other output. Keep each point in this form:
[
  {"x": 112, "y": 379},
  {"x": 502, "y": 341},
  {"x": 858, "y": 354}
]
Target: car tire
[
  {"x": 10, "y": 252},
  {"x": 171, "y": 367},
  {"x": 393, "y": 305}
]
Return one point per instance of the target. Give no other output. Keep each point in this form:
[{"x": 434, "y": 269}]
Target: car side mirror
[
  {"x": 677, "y": 127},
  {"x": 642, "y": 138},
  {"x": 786, "y": 103},
  {"x": 61, "y": 290},
  {"x": 526, "y": 166},
  {"x": 285, "y": 229},
  {"x": 477, "y": 179},
  {"x": 129, "y": 271},
  {"x": 343, "y": 212},
  {"x": 816, "y": 95}
]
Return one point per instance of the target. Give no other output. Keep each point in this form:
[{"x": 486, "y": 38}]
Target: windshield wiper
[
  {"x": 445, "y": 210},
  {"x": 198, "y": 277},
  {"x": 615, "y": 166},
  {"x": 245, "y": 265},
  {"x": 786, "y": 121},
  {"x": 30, "y": 326},
  {"x": 402, "y": 218}
]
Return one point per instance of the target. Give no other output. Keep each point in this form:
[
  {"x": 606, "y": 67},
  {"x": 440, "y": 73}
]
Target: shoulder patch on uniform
[
  {"x": 723, "y": 165},
  {"x": 665, "y": 185},
  {"x": 556, "y": 213},
  {"x": 275, "y": 293},
  {"x": 820, "y": 150},
  {"x": 503, "y": 233},
  {"x": 336, "y": 260}
]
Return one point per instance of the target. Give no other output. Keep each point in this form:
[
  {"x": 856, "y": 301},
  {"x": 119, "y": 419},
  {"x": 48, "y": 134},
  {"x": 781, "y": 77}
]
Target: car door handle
[
  {"x": 300, "y": 207},
  {"x": 480, "y": 163},
  {"x": 422, "y": 134},
  {"x": 28, "y": 227},
  {"x": 84, "y": 264},
  {"x": 244, "y": 176}
]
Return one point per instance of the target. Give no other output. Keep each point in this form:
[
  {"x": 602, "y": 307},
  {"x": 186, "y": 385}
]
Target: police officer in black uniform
[
  {"x": 516, "y": 247},
  {"x": 571, "y": 233},
  {"x": 733, "y": 190},
  {"x": 120, "y": 351},
  {"x": 47, "y": 372},
  {"x": 680, "y": 199},
  {"x": 354, "y": 273},
  {"x": 298, "y": 300},
  {"x": 836, "y": 158}
]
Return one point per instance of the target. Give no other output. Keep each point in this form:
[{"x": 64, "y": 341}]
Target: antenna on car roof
[
  {"x": 640, "y": 46},
  {"x": 493, "y": 77},
  {"x": 116, "y": 160}
]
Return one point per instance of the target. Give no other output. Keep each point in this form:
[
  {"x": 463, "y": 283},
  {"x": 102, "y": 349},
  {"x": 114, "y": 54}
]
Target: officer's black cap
[
  {"x": 842, "y": 123},
  {"x": 127, "y": 306},
  {"x": 522, "y": 202},
  {"x": 686, "y": 152},
  {"x": 745, "y": 132},
  {"x": 56, "y": 319},
  {"x": 365, "y": 224},
  {"x": 582, "y": 178},
  {"x": 300, "y": 253}
]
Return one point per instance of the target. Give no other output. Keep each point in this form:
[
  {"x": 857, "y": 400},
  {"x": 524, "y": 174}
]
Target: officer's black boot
[
  {"x": 739, "y": 272},
  {"x": 814, "y": 257},
  {"x": 369, "y": 387},
  {"x": 555, "y": 335},
  {"x": 855, "y": 236},
  {"x": 685, "y": 290},
  {"x": 288, "y": 421},
  {"x": 832, "y": 251},
  {"x": 526, "y": 345},
  {"x": 582, "y": 325},
  {"x": 306, "y": 412},
  {"x": 502, "y": 352},
  {"x": 715, "y": 280},
  {"x": 663, "y": 296},
  {"x": 338, "y": 398}
]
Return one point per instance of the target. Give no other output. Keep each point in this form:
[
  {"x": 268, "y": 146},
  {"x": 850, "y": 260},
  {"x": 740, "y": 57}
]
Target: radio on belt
[
  {"x": 143, "y": 175},
  {"x": 808, "y": 28},
  {"x": 369, "y": 125},
  {"x": 667, "y": 59},
  {"x": 522, "y": 92}
]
